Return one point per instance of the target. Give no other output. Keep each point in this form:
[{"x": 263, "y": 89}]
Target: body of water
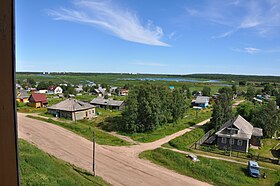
[{"x": 173, "y": 79}]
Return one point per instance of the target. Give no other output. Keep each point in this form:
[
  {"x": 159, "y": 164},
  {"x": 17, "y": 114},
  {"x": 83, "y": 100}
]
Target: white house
[{"x": 55, "y": 90}]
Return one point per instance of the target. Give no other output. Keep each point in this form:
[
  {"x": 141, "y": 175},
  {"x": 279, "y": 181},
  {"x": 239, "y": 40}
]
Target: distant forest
[{"x": 224, "y": 77}]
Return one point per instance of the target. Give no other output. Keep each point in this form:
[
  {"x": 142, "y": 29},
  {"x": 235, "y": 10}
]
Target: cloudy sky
[{"x": 160, "y": 36}]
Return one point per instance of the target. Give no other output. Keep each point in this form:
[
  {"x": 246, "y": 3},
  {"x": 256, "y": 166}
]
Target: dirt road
[{"x": 117, "y": 165}]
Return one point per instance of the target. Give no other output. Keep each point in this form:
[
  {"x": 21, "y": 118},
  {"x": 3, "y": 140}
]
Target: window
[
  {"x": 239, "y": 142},
  {"x": 231, "y": 141},
  {"x": 224, "y": 140}
]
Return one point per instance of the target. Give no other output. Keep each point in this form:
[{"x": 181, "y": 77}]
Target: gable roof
[
  {"x": 38, "y": 98},
  {"x": 71, "y": 105},
  {"x": 22, "y": 94},
  {"x": 110, "y": 102},
  {"x": 245, "y": 129}
]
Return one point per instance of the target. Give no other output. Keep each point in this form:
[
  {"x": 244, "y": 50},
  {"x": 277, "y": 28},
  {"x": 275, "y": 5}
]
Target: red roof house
[{"x": 38, "y": 100}]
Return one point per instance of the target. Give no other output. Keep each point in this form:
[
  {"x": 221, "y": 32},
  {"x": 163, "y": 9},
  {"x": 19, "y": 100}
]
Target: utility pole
[{"x": 93, "y": 155}]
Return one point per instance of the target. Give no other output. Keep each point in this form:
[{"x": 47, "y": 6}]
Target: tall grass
[
  {"x": 216, "y": 172},
  {"x": 39, "y": 168}
]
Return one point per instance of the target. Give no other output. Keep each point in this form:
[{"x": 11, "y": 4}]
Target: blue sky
[{"x": 159, "y": 36}]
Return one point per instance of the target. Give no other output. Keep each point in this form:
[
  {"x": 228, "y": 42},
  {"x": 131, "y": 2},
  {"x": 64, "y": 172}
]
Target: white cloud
[
  {"x": 120, "y": 22},
  {"x": 248, "y": 50},
  {"x": 262, "y": 17},
  {"x": 149, "y": 64},
  {"x": 251, "y": 50}
]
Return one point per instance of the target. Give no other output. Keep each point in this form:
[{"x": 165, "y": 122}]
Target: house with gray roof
[
  {"x": 238, "y": 134},
  {"x": 108, "y": 103},
  {"x": 22, "y": 96},
  {"x": 72, "y": 109},
  {"x": 201, "y": 101}
]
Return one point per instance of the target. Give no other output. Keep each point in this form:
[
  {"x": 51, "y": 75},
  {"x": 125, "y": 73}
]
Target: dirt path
[{"x": 114, "y": 165}]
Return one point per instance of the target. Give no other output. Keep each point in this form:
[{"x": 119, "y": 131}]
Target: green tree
[
  {"x": 222, "y": 110},
  {"x": 206, "y": 91},
  {"x": 130, "y": 114},
  {"x": 233, "y": 88},
  {"x": 278, "y": 99},
  {"x": 186, "y": 91},
  {"x": 42, "y": 85},
  {"x": 178, "y": 107},
  {"x": 267, "y": 118},
  {"x": 251, "y": 92}
]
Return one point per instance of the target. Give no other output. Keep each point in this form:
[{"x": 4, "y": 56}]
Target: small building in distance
[
  {"x": 238, "y": 134},
  {"x": 108, "y": 103},
  {"x": 38, "y": 100},
  {"x": 55, "y": 90},
  {"x": 22, "y": 96},
  {"x": 201, "y": 101},
  {"x": 72, "y": 109},
  {"x": 124, "y": 92}
]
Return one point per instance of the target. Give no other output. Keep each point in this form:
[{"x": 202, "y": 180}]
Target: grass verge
[
  {"x": 216, "y": 172},
  {"x": 39, "y": 168},
  {"x": 188, "y": 139},
  {"x": 85, "y": 129},
  {"x": 166, "y": 130}
]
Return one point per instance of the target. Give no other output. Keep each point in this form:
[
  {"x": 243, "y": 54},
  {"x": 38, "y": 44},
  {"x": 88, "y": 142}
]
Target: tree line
[
  {"x": 151, "y": 106},
  {"x": 265, "y": 116}
]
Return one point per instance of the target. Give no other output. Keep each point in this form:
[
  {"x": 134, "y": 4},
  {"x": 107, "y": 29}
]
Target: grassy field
[
  {"x": 216, "y": 172},
  {"x": 266, "y": 149},
  {"x": 39, "y": 168},
  {"x": 85, "y": 129},
  {"x": 185, "y": 141},
  {"x": 189, "y": 120}
]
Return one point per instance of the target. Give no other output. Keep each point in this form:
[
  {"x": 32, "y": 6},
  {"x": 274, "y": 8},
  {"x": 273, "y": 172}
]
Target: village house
[
  {"x": 124, "y": 92},
  {"x": 79, "y": 89},
  {"x": 38, "y": 100},
  {"x": 55, "y": 90},
  {"x": 72, "y": 109},
  {"x": 22, "y": 96},
  {"x": 108, "y": 103},
  {"x": 201, "y": 101},
  {"x": 238, "y": 134}
]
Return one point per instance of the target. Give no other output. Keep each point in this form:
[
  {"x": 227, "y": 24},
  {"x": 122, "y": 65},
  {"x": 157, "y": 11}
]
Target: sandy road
[{"x": 117, "y": 165}]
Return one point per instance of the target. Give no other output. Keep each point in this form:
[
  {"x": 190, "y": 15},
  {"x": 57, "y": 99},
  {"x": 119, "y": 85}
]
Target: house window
[
  {"x": 224, "y": 140},
  {"x": 239, "y": 142},
  {"x": 231, "y": 141}
]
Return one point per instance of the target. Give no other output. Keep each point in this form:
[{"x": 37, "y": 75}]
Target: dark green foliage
[
  {"x": 278, "y": 99},
  {"x": 68, "y": 90},
  {"x": 222, "y": 108},
  {"x": 267, "y": 118},
  {"x": 150, "y": 106},
  {"x": 242, "y": 83},
  {"x": 247, "y": 110},
  {"x": 186, "y": 91},
  {"x": 42, "y": 85},
  {"x": 269, "y": 89},
  {"x": 234, "y": 89},
  {"x": 206, "y": 91},
  {"x": 31, "y": 82},
  {"x": 251, "y": 92}
]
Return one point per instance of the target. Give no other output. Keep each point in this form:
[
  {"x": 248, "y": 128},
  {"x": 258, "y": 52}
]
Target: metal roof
[
  {"x": 71, "y": 105},
  {"x": 245, "y": 129},
  {"x": 110, "y": 102},
  {"x": 201, "y": 99}
]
